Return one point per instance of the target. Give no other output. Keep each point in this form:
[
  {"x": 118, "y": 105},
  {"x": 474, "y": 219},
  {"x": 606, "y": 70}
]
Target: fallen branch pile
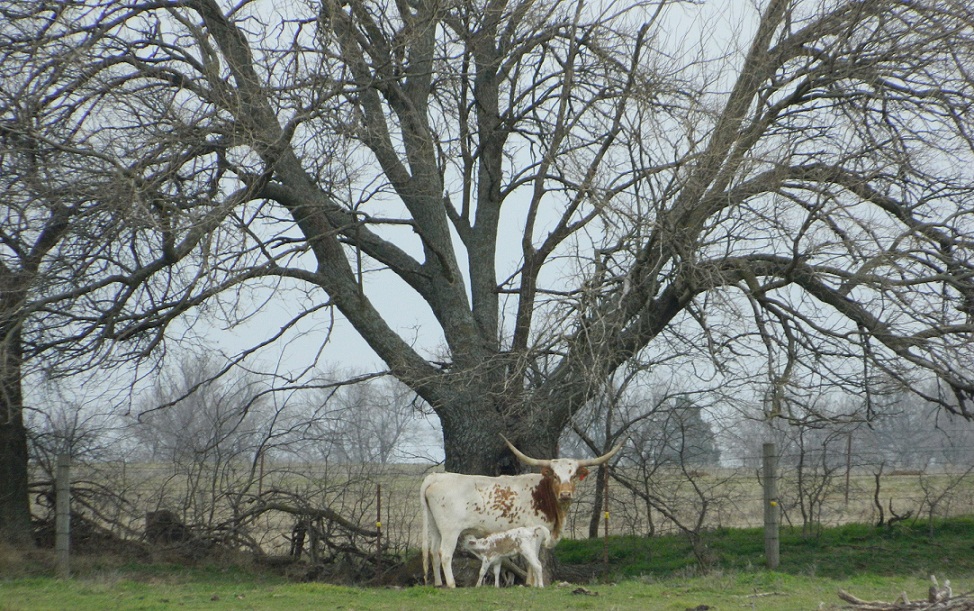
[{"x": 938, "y": 599}]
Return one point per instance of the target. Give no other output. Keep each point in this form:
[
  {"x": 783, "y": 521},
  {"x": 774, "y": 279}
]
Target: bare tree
[
  {"x": 942, "y": 490},
  {"x": 604, "y": 423},
  {"x": 368, "y": 422},
  {"x": 187, "y": 417},
  {"x": 210, "y": 436},
  {"x": 83, "y": 233},
  {"x": 53, "y": 239},
  {"x": 818, "y": 462},
  {"x": 908, "y": 432},
  {"x": 83, "y": 427},
  {"x": 789, "y": 216},
  {"x": 672, "y": 469}
]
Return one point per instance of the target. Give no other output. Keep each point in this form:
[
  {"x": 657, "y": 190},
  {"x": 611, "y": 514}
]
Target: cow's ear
[
  {"x": 581, "y": 473},
  {"x": 547, "y": 472}
]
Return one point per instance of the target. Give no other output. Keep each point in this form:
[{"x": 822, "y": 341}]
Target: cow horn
[
  {"x": 532, "y": 462},
  {"x": 592, "y": 462}
]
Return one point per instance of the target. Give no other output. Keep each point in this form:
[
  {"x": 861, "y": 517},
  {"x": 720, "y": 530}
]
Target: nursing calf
[{"x": 526, "y": 541}]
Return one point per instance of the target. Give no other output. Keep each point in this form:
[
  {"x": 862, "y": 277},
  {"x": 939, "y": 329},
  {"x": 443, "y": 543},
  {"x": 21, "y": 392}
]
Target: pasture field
[
  {"x": 646, "y": 574},
  {"x": 758, "y": 591}
]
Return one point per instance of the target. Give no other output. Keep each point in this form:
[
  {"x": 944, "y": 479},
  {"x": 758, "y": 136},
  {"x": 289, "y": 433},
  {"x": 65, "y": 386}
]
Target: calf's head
[{"x": 469, "y": 542}]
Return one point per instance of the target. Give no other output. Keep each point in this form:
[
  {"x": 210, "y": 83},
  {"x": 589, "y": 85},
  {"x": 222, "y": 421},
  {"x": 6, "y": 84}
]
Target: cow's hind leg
[
  {"x": 448, "y": 544},
  {"x": 436, "y": 543},
  {"x": 446, "y": 559}
]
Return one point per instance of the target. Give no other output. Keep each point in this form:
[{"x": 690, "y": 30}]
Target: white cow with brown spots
[
  {"x": 524, "y": 540},
  {"x": 480, "y": 505}
]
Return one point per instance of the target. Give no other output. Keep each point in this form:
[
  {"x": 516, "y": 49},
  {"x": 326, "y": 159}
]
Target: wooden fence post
[
  {"x": 771, "y": 510},
  {"x": 848, "y": 465},
  {"x": 378, "y": 529},
  {"x": 605, "y": 506},
  {"x": 62, "y": 516}
]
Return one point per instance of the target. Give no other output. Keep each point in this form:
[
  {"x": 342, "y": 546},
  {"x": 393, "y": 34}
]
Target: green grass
[
  {"x": 645, "y": 574},
  {"x": 838, "y": 552},
  {"x": 771, "y": 591}
]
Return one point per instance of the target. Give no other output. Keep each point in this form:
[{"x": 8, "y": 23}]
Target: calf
[{"x": 525, "y": 540}]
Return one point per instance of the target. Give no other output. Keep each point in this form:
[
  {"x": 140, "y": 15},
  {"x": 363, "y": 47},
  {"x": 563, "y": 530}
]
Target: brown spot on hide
[
  {"x": 545, "y": 502},
  {"x": 504, "y": 546},
  {"x": 503, "y": 501}
]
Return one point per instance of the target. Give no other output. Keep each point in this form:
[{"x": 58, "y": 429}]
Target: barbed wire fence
[
  {"x": 807, "y": 495},
  {"x": 359, "y": 519}
]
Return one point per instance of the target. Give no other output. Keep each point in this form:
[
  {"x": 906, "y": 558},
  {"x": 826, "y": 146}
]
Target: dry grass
[{"x": 118, "y": 496}]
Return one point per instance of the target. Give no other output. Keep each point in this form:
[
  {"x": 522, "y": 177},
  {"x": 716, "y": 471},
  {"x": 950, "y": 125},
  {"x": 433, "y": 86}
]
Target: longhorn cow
[{"x": 455, "y": 504}]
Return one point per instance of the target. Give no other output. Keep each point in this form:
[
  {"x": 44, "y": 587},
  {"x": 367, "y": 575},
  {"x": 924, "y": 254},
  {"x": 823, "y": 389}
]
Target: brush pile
[{"x": 938, "y": 599}]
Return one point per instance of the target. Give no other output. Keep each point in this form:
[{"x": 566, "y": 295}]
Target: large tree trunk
[
  {"x": 14, "y": 497},
  {"x": 473, "y": 423},
  {"x": 472, "y": 443}
]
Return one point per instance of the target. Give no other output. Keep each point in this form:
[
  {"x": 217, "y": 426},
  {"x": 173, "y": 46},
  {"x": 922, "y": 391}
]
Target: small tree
[
  {"x": 209, "y": 432},
  {"x": 368, "y": 422},
  {"x": 941, "y": 490},
  {"x": 684, "y": 437}
]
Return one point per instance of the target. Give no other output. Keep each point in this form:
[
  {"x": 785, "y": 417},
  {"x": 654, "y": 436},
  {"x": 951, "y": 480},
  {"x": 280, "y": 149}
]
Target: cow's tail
[{"x": 424, "y": 503}]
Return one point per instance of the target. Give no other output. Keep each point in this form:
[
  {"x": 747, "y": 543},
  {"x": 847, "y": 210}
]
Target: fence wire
[{"x": 331, "y": 512}]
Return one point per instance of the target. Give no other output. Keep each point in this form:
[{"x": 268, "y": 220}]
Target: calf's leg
[
  {"x": 535, "y": 570},
  {"x": 497, "y": 572}
]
